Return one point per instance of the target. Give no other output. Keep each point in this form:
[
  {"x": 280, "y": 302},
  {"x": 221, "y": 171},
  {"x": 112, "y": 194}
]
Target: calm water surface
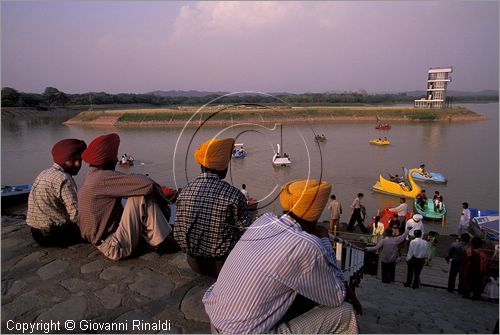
[{"x": 466, "y": 152}]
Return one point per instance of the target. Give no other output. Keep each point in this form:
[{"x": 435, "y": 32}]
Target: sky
[{"x": 297, "y": 47}]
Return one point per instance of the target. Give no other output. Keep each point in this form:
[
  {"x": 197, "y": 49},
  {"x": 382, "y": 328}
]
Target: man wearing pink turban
[
  {"x": 116, "y": 230},
  {"x": 52, "y": 204}
]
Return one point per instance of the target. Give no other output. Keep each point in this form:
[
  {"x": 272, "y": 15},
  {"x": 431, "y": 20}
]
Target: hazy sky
[{"x": 127, "y": 46}]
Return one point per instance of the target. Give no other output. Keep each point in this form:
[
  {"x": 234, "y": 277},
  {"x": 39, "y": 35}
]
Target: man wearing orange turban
[
  {"x": 52, "y": 203},
  {"x": 282, "y": 275},
  {"x": 211, "y": 214},
  {"x": 116, "y": 230}
]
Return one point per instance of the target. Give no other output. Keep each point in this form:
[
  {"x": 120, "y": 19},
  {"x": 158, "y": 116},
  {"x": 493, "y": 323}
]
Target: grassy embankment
[{"x": 177, "y": 117}]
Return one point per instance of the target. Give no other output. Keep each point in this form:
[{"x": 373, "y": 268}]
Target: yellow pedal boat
[
  {"x": 393, "y": 188},
  {"x": 379, "y": 142}
]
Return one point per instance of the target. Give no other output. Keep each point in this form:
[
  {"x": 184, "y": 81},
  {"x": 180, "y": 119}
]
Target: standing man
[
  {"x": 465, "y": 217},
  {"x": 415, "y": 223},
  {"x": 245, "y": 192},
  {"x": 389, "y": 254},
  {"x": 211, "y": 213},
  {"x": 52, "y": 203},
  {"x": 401, "y": 210},
  {"x": 335, "y": 209},
  {"x": 282, "y": 265},
  {"x": 417, "y": 254},
  {"x": 356, "y": 215},
  {"x": 116, "y": 230},
  {"x": 456, "y": 256}
]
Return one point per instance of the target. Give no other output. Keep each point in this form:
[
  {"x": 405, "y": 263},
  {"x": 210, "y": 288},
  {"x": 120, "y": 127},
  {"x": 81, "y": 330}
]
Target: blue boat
[
  {"x": 239, "y": 152},
  {"x": 13, "y": 194},
  {"x": 430, "y": 177},
  {"x": 486, "y": 220}
]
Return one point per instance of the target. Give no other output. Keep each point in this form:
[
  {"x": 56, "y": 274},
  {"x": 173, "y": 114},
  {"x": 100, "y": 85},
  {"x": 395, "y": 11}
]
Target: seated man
[
  {"x": 280, "y": 269},
  {"x": 52, "y": 203},
  {"x": 211, "y": 214},
  {"x": 104, "y": 222}
]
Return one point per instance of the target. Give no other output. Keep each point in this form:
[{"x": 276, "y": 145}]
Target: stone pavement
[{"x": 43, "y": 285}]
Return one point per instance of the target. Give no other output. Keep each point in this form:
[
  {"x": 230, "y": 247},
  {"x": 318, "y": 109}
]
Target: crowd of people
[{"x": 276, "y": 274}]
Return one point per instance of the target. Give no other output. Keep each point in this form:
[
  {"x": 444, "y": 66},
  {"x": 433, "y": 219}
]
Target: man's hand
[{"x": 353, "y": 300}]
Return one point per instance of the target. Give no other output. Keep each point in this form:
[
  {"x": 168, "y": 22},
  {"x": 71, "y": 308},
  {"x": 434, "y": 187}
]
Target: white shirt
[
  {"x": 418, "y": 248},
  {"x": 402, "y": 209},
  {"x": 245, "y": 193},
  {"x": 356, "y": 204},
  {"x": 414, "y": 226},
  {"x": 464, "y": 218}
]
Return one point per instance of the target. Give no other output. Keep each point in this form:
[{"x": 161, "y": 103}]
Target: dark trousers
[
  {"x": 388, "y": 272},
  {"x": 415, "y": 266},
  {"x": 206, "y": 266},
  {"x": 57, "y": 236},
  {"x": 454, "y": 270},
  {"x": 356, "y": 217}
]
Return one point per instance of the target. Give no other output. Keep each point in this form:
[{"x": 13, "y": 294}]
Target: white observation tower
[{"x": 437, "y": 81}]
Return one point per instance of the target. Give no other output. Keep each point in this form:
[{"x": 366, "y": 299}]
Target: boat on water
[
  {"x": 12, "y": 194},
  {"x": 320, "y": 138},
  {"x": 386, "y": 216},
  {"x": 430, "y": 177},
  {"x": 379, "y": 141},
  {"x": 128, "y": 163},
  {"x": 401, "y": 189},
  {"x": 239, "y": 151},
  {"x": 279, "y": 158},
  {"x": 430, "y": 212},
  {"x": 485, "y": 223},
  {"x": 383, "y": 126}
]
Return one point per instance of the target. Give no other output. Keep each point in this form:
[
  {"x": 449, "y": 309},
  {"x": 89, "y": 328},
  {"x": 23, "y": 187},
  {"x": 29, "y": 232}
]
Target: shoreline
[{"x": 168, "y": 117}]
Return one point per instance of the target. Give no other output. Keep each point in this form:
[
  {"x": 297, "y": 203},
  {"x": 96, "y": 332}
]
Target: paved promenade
[{"x": 51, "y": 287}]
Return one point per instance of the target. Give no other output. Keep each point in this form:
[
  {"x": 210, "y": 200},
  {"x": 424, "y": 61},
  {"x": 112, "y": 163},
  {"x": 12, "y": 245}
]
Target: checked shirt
[
  {"x": 211, "y": 217},
  {"x": 52, "y": 200}
]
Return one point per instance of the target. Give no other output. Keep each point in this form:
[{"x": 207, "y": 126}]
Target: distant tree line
[{"x": 53, "y": 97}]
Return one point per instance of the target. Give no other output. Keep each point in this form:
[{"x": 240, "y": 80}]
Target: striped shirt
[
  {"x": 273, "y": 262},
  {"x": 99, "y": 200},
  {"x": 52, "y": 200},
  {"x": 211, "y": 216}
]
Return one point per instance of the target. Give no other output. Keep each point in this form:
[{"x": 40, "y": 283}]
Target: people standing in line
[
  {"x": 389, "y": 254},
  {"x": 245, "y": 192},
  {"x": 53, "y": 203},
  {"x": 335, "y": 210},
  {"x": 456, "y": 256},
  {"x": 401, "y": 210},
  {"x": 211, "y": 214},
  {"x": 417, "y": 254},
  {"x": 465, "y": 217},
  {"x": 415, "y": 223},
  {"x": 116, "y": 230},
  {"x": 356, "y": 215},
  {"x": 421, "y": 199},
  {"x": 282, "y": 275},
  {"x": 378, "y": 230},
  {"x": 475, "y": 269}
]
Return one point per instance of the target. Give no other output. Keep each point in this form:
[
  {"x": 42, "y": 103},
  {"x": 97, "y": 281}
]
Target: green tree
[
  {"x": 10, "y": 97},
  {"x": 55, "y": 97}
]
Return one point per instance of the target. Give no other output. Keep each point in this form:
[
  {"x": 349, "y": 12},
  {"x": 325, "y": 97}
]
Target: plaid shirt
[
  {"x": 211, "y": 215},
  {"x": 52, "y": 200}
]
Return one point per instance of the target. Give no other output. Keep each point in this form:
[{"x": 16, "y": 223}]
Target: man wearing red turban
[
  {"x": 52, "y": 204},
  {"x": 116, "y": 230}
]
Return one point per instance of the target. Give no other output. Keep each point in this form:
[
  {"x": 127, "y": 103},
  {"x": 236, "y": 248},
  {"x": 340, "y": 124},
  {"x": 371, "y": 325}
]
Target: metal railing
[{"x": 350, "y": 260}]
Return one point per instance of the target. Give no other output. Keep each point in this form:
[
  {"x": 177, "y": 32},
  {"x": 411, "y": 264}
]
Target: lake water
[{"x": 466, "y": 152}]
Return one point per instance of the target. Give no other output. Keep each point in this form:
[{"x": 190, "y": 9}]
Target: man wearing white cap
[
  {"x": 415, "y": 223},
  {"x": 279, "y": 261}
]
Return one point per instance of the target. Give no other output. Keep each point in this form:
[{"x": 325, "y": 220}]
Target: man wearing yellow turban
[
  {"x": 282, "y": 275},
  {"x": 211, "y": 214}
]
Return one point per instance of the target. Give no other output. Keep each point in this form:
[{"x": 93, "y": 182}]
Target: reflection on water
[{"x": 466, "y": 152}]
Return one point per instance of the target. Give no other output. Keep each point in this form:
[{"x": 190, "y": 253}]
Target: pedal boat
[{"x": 389, "y": 187}]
